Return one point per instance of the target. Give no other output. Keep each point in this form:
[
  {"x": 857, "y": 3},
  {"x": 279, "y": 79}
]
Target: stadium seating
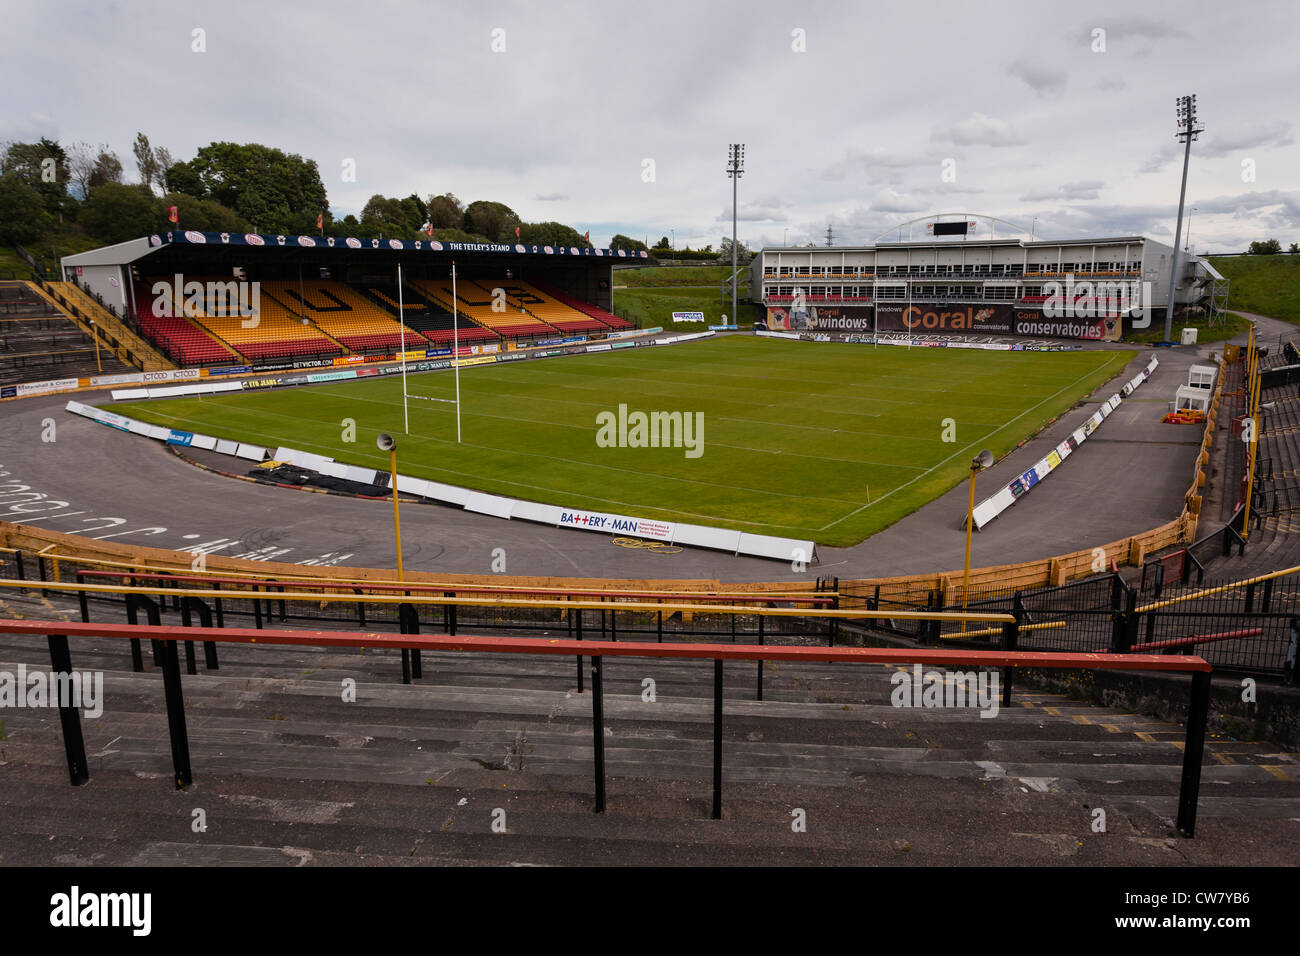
[
  {"x": 550, "y": 310},
  {"x": 39, "y": 342},
  {"x": 599, "y": 314},
  {"x": 279, "y": 331},
  {"x": 426, "y": 317},
  {"x": 340, "y": 312},
  {"x": 183, "y": 339},
  {"x": 321, "y": 317},
  {"x": 474, "y": 301}
]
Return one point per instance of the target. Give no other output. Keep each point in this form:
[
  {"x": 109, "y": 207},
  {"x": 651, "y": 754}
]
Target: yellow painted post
[
  {"x": 970, "y": 521},
  {"x": 397, "y": 523},
  {"x": 1252, "y": 412}
]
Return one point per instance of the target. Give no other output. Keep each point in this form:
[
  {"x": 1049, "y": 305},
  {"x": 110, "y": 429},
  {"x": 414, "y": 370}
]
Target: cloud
[
  {"x": 1141, "y": 28},
  {"x": 877, "y": 162},
  {"x": 1086, "y": 189},
  {"x": 766, "y": 209},
  {"x": 1160, "y": 159},
  {"x": 550, "y": 197},
  {"x": 1260, "y": 136},
  {"x": 890, "y": 200},
  {"x": 979, "y": 129},
  {"x": 1042, "y": 79}
]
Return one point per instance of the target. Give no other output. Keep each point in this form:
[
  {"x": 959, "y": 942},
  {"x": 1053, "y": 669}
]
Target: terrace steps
[{"x": 290, "y": 774}]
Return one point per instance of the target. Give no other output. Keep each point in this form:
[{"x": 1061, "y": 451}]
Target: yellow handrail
[{"x": 942, "y": 616}]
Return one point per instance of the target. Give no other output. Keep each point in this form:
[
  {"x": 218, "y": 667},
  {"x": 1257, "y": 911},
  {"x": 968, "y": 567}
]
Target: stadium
[{"x": 344, "y": 546}]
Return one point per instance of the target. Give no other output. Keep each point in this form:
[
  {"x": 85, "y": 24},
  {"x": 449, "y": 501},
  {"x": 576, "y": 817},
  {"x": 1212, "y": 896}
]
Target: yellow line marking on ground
[
  {"x": 1279, "y": 772},
  {"x": 1080, "y": 719},
  {"x": 1222, "y": 758},
  {"x": 1055, "y": 712},
  {"x": 1143, "y": 735},
  {"x": 1112, "y": 728}
]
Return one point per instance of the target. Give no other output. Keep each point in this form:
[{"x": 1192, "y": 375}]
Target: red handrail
[{"x": 567, "y": 647}]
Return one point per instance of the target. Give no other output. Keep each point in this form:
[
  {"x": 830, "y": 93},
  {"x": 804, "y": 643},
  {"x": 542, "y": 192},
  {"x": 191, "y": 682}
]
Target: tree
[
  {"x": 389, "y": 217},
  {"x": 416, "y": 211},
  {"x": 550, "y": 234},
  {"x": 495, "y": 220},
  {"x": 81, "y": 166},
  {"x": 1295, "y": 247},
  {"x": 1269, "y": 247},
  {"x": 116, "y": 212},
  {"x": 743, "y": 255},
  {"x": 204, "y": 214},
  {"x": 445, "y": 212},
  {"x": 108, "y": 169},
  {"x": 624, "y": 242},
  {"x": 275, "y": 191},
  {"x": 663, "y": 243},
  {"x": 22, "y": 214},
  {"x": 146, "y": 161},
  {"x": 91, "y": 166},
  {"x": 181, "y": 178},
  {"x": 43, "y": 166}
]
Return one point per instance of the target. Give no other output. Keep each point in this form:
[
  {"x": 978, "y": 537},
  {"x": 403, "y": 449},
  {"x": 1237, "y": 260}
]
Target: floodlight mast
[
  {"x": 735, "y": 169},
  {"x": 1187, "y": 131}
]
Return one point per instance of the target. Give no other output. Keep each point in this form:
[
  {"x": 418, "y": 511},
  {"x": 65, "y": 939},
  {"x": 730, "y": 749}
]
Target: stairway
[{"x": 81, "y": 309}]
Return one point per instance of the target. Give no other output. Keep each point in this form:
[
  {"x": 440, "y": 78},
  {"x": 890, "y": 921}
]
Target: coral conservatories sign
[{"x": 985, "y": 318}]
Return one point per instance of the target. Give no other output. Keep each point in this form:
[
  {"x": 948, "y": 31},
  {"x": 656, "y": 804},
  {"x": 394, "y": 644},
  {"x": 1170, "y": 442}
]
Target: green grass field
[
  {"x": 828, "y": 441},
  {"x": 1263, "y": 285}
]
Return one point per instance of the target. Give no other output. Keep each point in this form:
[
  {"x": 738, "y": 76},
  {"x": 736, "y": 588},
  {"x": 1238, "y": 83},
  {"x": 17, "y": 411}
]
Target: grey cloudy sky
[{"x": 856, "y": 130}]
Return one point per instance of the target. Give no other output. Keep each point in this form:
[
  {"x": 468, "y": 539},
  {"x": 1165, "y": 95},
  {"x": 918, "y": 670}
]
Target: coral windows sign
[{"x": 932, "y": 317}]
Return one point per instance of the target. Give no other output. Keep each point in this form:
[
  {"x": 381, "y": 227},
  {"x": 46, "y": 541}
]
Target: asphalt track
[{"x": 1130, "y": 476}]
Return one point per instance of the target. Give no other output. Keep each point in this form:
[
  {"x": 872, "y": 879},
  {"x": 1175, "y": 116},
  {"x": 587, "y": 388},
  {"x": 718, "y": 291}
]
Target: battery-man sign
[{"x": 616, "y": 524}]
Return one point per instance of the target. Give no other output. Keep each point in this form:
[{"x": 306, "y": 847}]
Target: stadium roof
[
  {"x": 956, "y": 242},
  {"x": 132, "y": 250}
]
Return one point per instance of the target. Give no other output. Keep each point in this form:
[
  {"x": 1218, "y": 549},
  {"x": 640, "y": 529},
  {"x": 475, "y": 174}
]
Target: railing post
[
  {"x": 205, "y": 620},
  {"x": 760, "y": 660},
  {"x": 1292, "y": 654},
  {"x": 74, "y": 744},
  {"x": 578, "y": 633},
  {"x": 717, "y": 739},
  {"x": 133, "y": 603},
  {"x": 1010, "y": 637},
  {"x": 1250, "y": 599},
  {"x": 1198, "y": 710},
  {"x": 409, "y": 623},
  {"x": 175, "y": 699},
  {"x": 221, "y": 617},
  {"x": 1128, "y": 625},
  {"x": 598, "y": 730}
]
